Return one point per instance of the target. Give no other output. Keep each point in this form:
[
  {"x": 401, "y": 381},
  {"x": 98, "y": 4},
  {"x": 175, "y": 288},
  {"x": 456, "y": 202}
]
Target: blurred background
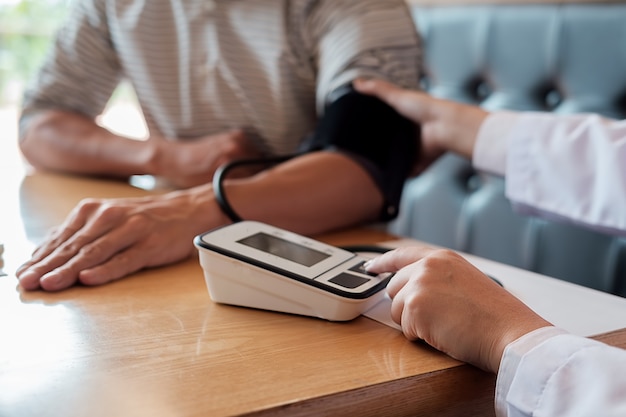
[{"x": 27, "y": 30}]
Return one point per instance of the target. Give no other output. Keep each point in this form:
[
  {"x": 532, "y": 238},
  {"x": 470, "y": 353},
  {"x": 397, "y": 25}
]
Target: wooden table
[{"x": 154, "y": 344}]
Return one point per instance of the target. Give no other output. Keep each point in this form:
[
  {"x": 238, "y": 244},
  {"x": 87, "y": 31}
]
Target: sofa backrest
[{"x": 562, "y": 58}]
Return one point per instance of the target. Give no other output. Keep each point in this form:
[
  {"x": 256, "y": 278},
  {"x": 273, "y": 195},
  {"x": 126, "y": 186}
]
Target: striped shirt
[{"x": 200, "y": 67}]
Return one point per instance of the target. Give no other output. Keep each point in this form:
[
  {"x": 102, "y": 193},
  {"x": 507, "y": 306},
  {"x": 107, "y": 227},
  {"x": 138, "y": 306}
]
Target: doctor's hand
[
  {"x": 188, "y": 163},
  {"x": 104, "y": 240},
  {"x": 441, "y": 298},
  {"x": 445, "y": 125}
]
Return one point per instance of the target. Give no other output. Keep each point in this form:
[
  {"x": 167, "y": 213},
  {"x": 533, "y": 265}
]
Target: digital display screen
[{"x": 284, "y": 249}]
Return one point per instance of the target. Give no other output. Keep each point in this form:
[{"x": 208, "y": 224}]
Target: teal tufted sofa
[{"x": 562, "y": 58}]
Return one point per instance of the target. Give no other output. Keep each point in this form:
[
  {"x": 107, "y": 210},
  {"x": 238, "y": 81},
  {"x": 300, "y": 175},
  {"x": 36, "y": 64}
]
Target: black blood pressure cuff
[{"x": 377, "y": 137}]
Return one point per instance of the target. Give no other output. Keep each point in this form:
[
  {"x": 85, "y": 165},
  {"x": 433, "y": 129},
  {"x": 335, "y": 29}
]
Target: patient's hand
[
  {"x": 186, "y": 164},
  {"x": 104, "y": 240}
]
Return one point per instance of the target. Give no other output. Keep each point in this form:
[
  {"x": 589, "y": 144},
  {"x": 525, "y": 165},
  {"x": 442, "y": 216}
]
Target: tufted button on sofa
[{"x": 563, "y": 58}]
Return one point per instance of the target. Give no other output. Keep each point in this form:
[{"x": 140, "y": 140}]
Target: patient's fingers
[{"x": 54, "y": 261}]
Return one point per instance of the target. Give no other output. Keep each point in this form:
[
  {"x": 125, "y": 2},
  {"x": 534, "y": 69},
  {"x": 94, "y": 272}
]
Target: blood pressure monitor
[{"x": 256, "y": 265}]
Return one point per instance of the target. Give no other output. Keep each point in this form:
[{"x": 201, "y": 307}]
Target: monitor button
[
  {"x": 348, "y": 280},
  {"x": 361, "y": 270}
]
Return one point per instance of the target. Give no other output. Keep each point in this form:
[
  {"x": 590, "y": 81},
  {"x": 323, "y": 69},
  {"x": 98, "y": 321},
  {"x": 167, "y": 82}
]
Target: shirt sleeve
[
  {"x": 490, "y": 150},
  {"x": 81, "y": 70},
  {"x": 551, "y": 373},
  {"x": 362, "y": 38},
  {"x": 564, "y": 167}
]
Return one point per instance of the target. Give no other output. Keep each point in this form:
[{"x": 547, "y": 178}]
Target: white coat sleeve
[
  {"x": 549, "y": 373},
  {"x": 559, "y": 167}
]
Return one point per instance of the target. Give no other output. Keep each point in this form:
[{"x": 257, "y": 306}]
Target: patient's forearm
[
  {"x": 69, "y": 142},
  {"x": 311, "y": 194}
]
